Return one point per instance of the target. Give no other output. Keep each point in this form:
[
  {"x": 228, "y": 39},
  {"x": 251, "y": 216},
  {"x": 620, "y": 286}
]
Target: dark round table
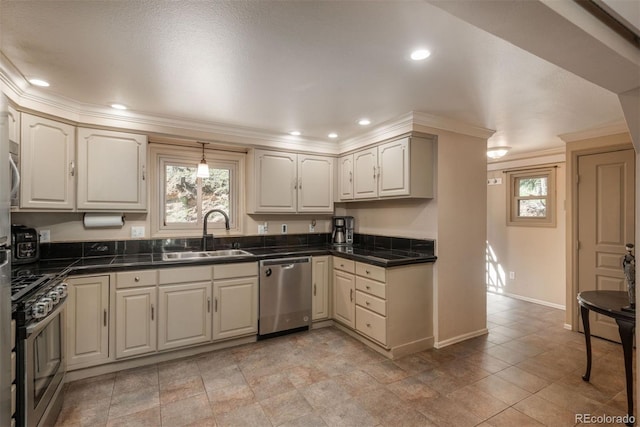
[{"x": 611, "y": 303}]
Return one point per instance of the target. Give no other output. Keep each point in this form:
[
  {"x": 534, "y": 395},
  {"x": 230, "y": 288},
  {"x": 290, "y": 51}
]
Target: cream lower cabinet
[
  {"x": 184, "y": 307},
  {"x": 87, "y": 321},
  {"x": 344, "y": 291},
  {"x": 320, "y": 277},
  {"x": 235, "y": 294},
  {"x": 136, "y": 317}
]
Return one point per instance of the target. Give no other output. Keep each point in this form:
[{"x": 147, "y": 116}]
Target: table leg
[
  {"x": 626, "y": 336},
  {"x": 584, "y": 312}
]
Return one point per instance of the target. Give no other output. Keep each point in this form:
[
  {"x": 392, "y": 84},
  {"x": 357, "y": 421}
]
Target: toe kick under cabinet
[{"x": 390, "y": 307}]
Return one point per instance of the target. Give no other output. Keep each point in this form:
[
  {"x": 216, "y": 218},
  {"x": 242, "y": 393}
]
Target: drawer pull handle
[
  {"x": 368, "y": 325},
  {"x": 351, "y": 295},
  {"x": 136, "y": 279},
  {"x": 152, "y": 311}
]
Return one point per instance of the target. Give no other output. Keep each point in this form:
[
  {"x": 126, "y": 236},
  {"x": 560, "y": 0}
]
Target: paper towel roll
[{"x": 98, "y": 220}]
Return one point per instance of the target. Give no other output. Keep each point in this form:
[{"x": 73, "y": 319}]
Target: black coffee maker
[
  {"x": 25, "y": 243},
  {"x": 342, "y": 233}
]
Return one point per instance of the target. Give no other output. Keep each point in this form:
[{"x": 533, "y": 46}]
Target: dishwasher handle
[{"x": 285, "y": 263}]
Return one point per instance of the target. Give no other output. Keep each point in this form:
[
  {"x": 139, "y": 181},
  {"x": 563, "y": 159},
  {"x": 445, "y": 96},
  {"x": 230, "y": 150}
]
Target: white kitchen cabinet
[
  {"x": 136, "y": 318},
  {"x": 111, "y": 170},
  {"x": 87, "y": 321},
  {"x": 280, "y": 182},
  {"x": 184, "y": 314},
  {"x": 393, "y": 172},
  {"x": 47, "y": 163},
  {"x": 365, "y": 174},
  {"x": 344, "y": 291},
  {"x": 345, "y": 177},
  {"x": 13, "y": 123},
  {"x": 320, "y": 270},
  {"x": 235, "y": 294}
]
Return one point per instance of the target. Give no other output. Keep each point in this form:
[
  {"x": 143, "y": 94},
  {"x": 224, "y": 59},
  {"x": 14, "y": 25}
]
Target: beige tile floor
[{"x": 526, "y": 372}]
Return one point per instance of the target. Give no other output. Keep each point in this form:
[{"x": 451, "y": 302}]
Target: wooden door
[
  {"x": 345, "y": 177},
  {"x": 136, "y": 316},
  {"x": 47, "y": 164},
  {"x": 315, "y": 183},
  {"x": 344, "y": 305},
  {"x": 87, "y": 320},
  {"x": 365, "y": 173},
  {"x": 276, "y": 181},
  {"x": 184, "y": 315},
  {"x": 393, "y": 158},
  {"x": 320, "y": 278},
  {"x": 235, "y": 307},
  {"x": 606, "y": 209}
]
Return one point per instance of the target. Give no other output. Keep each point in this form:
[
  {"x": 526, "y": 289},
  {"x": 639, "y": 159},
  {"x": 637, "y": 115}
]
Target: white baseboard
[
  {"x": 533, "y": 300},
  {"x": 460, "y": 338}
]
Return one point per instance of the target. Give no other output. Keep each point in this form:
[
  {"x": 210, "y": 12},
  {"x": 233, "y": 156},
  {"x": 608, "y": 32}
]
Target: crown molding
[
  {"x": 606, "y": 130},
  {"x": 443, "y": 123}
]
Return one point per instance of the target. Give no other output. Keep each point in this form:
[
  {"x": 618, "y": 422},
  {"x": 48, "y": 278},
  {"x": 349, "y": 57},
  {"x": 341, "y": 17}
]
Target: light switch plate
[
  {"x": 261, "y": 229},
  {"x": 137, "y": 231},
  {"x": 45, "y": 236},
  {"x": 312, "y": 228}
]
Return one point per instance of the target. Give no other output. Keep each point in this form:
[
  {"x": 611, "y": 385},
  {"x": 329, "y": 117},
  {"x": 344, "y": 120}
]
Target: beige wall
[{"x": 523, "y": 250}]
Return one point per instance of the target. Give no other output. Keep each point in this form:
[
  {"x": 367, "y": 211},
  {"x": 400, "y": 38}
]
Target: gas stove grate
[{"x": 22, "y": 285}]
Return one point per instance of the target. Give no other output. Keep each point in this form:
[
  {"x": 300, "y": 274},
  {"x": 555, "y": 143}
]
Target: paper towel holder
[{"x": 103, "y": 220}]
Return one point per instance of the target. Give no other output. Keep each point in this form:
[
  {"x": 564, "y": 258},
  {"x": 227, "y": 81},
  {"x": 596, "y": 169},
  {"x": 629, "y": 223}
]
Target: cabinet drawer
[
  {"x": 134, "y": 279},
  {"x": 13, "y": 366},
  {"x": 372, "y": 303},
  {"x": 229, "y": 271},
  {"x": 371, "y": 271},
  {"x": 371, "y": 287},
  {"x": 185, "y": 274},
  {"x": 371, "y": 324},
  {"x": 344, "y": 265}
]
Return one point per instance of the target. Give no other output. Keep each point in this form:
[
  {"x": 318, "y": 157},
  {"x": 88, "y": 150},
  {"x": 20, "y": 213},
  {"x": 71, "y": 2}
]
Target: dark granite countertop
[{"x": 103, "y": 264}]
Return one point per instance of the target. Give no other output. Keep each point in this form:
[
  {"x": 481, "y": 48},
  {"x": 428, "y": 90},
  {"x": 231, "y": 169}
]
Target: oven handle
[{"x": 33, "y": 329}]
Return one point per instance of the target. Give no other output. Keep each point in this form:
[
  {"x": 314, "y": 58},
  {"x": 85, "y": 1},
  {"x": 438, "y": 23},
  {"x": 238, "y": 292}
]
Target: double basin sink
[{"x": 186, "y": 256}]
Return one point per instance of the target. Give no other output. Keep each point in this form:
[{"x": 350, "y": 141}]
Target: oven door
[{"x": 45, "y": 365}]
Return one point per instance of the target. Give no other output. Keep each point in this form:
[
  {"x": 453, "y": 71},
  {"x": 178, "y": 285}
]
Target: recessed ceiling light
[
  {"x": 364, "y": 122},
  {"x": 333, "y": 135},
  {"x": 420, "y": 54},
  {"x": 295, "y": 133},
  {"x": 39, "y": 82},
  {"x": 119, "y": 106},
  {"x": 497, "y": 152}
]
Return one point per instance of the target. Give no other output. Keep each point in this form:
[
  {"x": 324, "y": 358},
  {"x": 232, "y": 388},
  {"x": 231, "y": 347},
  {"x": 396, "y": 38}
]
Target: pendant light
[{"x": 203, "y": 167}]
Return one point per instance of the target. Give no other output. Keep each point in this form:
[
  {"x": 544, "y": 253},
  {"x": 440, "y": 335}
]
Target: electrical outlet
[
  {"x": 137, "y": 231},
  {"x": 512, "y": 275},
  {"x": 261, "y": 229},
  {"x": 312, "y": 228},
  {"x": 284, "y": 228},
  {"x": 45, "y": 236}
]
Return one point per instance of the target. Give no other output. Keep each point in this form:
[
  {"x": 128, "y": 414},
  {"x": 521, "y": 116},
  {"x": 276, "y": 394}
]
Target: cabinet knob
[
  {"x": 368, "y": 325},
  {"x": 136, "y": 279},
  {"x": 367, "y": 271},
  {"x": 368, "y": 287},
  {"x": 367, "y": 303}
]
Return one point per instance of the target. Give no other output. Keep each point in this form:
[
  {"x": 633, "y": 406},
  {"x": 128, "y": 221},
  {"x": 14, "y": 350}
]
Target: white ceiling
[{"x": 308, "y": 65}]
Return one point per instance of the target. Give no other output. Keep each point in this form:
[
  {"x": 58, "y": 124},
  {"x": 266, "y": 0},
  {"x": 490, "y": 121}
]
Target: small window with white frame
[
  {"x": 182, "y": 199},
  {"x": 531, "y": 197}
]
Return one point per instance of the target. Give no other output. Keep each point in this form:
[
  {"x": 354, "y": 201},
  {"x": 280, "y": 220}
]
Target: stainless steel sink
[{"x": 177, "y": 256}]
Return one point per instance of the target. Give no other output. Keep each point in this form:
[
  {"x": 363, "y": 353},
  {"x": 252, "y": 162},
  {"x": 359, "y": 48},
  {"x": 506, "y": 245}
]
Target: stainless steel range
[{"x": 39, "y": 302}]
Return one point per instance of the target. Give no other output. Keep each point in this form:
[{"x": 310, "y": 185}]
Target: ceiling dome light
[
  {"x": 420, "y": 54},
  {"x": 333, "y": 135},
  {"x": 364, "y": 122},
  {"x": 118, "y": 106},
  {"x": 497, "y": 152},
  {"x": 39, "y": 82},
  {"x": 295, "y": 133}
]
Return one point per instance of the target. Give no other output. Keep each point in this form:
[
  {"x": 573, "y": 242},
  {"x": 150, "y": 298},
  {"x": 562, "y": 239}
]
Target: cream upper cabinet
[
  {"x": 87, "y": 321},
  {"x": 136, "y": 317},
  {"x": 280, "y": 182},
  {"x": 315, "y": 183},
  {"x": 345, "y": 177},
  {"x": 320, "y": 270},
  {"x": 47, "y": 163},
  {"x": 235, "y": 300},
  {"x": 396, "y": 169},
  {"x": 111, "y": 170},
  {"x": 184, "y": 314},
  {"x": 13, "y": 123}
]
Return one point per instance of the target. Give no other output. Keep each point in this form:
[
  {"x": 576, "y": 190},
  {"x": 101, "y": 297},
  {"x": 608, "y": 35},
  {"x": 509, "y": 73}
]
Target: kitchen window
[
  {"x": 182, "y": 199},
  {"x": 531, "y": 197}
]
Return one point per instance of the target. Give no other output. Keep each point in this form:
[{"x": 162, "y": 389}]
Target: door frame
[{"x": 576, "y": 149}]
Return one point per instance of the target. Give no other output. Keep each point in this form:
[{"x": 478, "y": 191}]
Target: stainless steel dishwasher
[{"x": 285, "y": 295}]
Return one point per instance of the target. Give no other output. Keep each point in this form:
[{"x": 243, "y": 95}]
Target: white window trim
[
  {"x": 160, "y": 154},
  {"x": 512, "y": 199}
]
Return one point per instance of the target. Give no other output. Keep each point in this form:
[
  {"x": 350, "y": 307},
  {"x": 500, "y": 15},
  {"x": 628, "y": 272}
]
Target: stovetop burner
[{"x": 24, "y": 284}]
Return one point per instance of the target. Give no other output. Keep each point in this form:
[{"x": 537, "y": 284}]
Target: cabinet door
[
  {"x": 111, "y": 170},
  {"x": 320, "y": 279},
  {"x": 184, "y": 315},
  {"x": 87, "y": 320},
  {"x": 235, "y": 307},
  {"x": 47, "y": 164},
  {"x": 365, "y": 174},
  {"x": 315, "y": 183},
  {"x": 345, "y": 177},
  {"x": 13, "y": 123},
  {"x": 135, "y": 322},
  {"x": 344, "y": 297},
  {"x": 275, "y": 181},
  {"x": 393, "y": 158}
]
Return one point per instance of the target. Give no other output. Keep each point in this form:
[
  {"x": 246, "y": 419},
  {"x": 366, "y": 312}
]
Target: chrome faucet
[{"x": 204, "y": 229}]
